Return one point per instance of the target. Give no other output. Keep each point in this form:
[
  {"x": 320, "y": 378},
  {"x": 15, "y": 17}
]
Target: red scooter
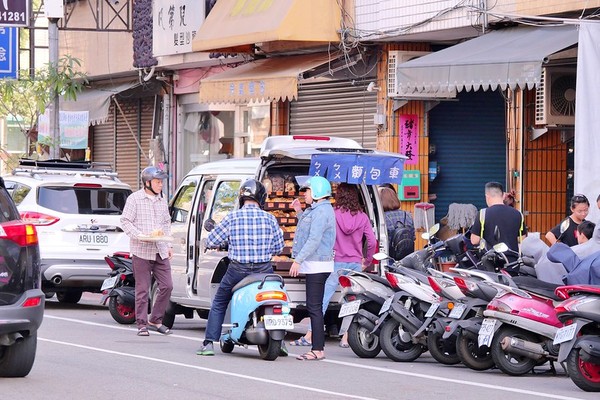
[
  {"x": 579, "y": 339},
  {"x": 520, "y": 325}
]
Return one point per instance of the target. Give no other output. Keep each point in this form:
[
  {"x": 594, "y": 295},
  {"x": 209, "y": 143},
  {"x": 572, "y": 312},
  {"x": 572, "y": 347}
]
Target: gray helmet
[
  {"x": 150, "y": 173},
  {"x": 253, "y": 190}
]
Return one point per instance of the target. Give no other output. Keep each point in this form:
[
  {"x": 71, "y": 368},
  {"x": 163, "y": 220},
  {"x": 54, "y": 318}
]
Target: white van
[{"x": 210, "y": 191}]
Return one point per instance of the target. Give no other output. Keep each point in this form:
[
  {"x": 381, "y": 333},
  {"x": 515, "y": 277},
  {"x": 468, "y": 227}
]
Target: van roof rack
[{"x": 58, "y": 167}]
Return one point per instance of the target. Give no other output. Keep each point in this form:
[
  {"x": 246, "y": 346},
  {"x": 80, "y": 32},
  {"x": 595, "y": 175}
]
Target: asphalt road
[{"x": 83, "y": 354}]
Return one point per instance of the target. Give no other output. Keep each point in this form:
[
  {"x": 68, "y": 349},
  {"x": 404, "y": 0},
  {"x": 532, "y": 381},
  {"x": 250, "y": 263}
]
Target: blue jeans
[
  {"x": 332, "y": 282},
  {"x": 218, "y": 309}
]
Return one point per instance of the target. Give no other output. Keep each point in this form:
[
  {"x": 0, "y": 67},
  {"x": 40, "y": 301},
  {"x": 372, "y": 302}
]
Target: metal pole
[{"x": 54, "y": 107}]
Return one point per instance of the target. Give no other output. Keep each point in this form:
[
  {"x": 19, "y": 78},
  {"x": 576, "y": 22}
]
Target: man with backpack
[{"x": 399, "y": 223}]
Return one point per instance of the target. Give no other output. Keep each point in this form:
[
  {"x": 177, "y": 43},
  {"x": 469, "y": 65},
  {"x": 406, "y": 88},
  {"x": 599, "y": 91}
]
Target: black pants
[{"x": 315, "y": 286}]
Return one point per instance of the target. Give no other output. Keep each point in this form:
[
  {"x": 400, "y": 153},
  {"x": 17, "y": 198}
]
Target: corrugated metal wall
[
  {"x": 335, "y": 108},
  {"x": 116, "y": 144},
  {"x": 470, "y": 148}
]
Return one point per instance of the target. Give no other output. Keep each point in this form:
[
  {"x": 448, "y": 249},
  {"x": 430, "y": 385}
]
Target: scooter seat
[
  {"x": 257, "y": 278},
  {"x": 537, "y": 286}
]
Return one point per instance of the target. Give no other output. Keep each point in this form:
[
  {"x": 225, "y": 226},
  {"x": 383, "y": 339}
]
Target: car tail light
[
  {"x": 277, "y": 310},
  {"x": 306, "y": 137},
  {"x": 271, "y": 295},
  {"x": 37, "y": 218},
  {"x": 87, "y": 185},
  {"x": 345, "y": 282},
  {"x": 32, "y": 302},
  {"x": 20, "y": 233}
]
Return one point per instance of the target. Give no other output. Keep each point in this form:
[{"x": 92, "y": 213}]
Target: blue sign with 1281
[{"x": 8, "y": 52}]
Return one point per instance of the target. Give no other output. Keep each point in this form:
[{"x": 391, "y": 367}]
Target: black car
[{"x": 21, "y": 296}]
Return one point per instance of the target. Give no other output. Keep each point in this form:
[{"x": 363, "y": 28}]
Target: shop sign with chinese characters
[
  {"x": 409, "y": 138},
  {"x": 175, "y": 25},
  {"x": 372, "y": 169}
]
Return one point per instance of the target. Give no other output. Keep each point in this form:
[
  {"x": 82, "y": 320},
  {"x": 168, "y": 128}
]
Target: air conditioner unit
[
  {"x": 397, "y": 57},
  {"x": 555, "y": 96}
]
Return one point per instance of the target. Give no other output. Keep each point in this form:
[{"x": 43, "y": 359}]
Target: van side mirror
[{"x": 209, "y": 224}]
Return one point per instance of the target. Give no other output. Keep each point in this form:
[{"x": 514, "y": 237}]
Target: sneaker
[{"x": 206, "y": 350}]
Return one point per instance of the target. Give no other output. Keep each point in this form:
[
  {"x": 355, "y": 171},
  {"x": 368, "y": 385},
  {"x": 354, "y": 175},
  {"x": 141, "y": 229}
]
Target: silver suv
[{"x": 76, "y": 208}]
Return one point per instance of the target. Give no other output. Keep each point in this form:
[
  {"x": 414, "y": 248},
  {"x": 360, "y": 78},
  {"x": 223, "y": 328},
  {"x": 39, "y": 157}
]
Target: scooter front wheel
[
  {"x": 584, "y": 374},
  {"x": 120, "y": 312},
  {"x": 271, "y": 350},
  {"x": 226, "y": 346},
  {"x": 397, "y": 343}
]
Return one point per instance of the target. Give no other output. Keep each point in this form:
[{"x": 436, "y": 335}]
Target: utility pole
[{"x": 54, "y": 120}]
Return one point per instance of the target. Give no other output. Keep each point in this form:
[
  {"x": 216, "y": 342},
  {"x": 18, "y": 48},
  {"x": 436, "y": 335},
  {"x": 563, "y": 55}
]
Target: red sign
[{"x": 409, "y": 138}]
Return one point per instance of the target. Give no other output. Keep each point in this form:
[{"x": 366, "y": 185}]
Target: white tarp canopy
[
  {"x": 96, "y": 100},
  {"x": 511, "y": 57},
  {"x": 587, "y": 118}
]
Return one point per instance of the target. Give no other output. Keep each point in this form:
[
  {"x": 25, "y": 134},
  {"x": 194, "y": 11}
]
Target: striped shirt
[
  {"x": 144, "y": 213},
  {"x": 254, "y": 235}
]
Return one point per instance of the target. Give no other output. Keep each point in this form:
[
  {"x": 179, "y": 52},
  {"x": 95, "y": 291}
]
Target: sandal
[
  {"x": 310, "y": 356},
  {"x": 160, "y": 329},
  {"x": 143, "y": 331},
  {"x": 300, "y": 342}
]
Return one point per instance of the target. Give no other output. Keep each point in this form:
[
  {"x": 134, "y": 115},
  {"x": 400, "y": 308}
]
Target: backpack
[{"x": 402, "y": 241}]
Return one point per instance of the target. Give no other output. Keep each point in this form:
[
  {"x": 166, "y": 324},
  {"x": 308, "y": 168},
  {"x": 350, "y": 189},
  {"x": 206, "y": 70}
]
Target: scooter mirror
[
  {"x": 500, "y": 247},
  {"x": 434, "y": 229},
  {"x": 564, "y": 225},
  {"x": 209, "y": 224},
  {"x": 380, "y": 256}
]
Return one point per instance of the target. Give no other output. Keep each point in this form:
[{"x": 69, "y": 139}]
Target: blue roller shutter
[{"x": 470, "y": 148}]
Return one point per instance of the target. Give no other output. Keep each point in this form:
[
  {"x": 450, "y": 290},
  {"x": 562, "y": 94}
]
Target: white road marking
[
  {"x": 214, "y": 371},
  {"x": 329, "y": 360}
]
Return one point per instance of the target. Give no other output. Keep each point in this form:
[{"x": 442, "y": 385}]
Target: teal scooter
[{"x": 260, "y": 315}]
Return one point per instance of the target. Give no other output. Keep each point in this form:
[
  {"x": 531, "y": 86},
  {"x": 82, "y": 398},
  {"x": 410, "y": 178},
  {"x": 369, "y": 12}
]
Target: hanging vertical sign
[
  {"x": 409, "y": 138},
  {"x": 74, "y": 127}
]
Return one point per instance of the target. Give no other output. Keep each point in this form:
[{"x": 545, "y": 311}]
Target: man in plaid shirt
[
  {"x": 145, "y": 220},
  {"x": 253, "y": 237}
]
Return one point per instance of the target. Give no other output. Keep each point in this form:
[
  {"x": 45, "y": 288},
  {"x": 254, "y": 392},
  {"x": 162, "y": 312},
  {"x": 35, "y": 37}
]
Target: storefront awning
[
  {"x": 269, "y": 79},
  {"x": 96, "y": 100},
  {"x": 236, "y": 25},
  {"x": 511, "y": 57}
]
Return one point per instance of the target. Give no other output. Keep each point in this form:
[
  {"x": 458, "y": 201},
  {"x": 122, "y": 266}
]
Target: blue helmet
[{"x": 319, "y": 187}]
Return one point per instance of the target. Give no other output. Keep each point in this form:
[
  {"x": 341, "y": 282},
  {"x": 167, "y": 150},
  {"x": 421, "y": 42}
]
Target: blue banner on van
[{"x": 371, "y": 169}]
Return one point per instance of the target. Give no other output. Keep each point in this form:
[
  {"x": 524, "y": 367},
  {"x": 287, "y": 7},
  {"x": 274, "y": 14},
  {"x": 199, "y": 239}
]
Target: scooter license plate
[
  {"x": 432, "y": 309},
  {"x": 565, "y": 334},
  {"x": 350, "y": 308},
  {"x": 457, "y": 311},
  {"x": 386, "y": 305},
  {"x": 108, "y": 283},
  {"x": 278, "y": 322},
  {"x": 486, "y": 332}
]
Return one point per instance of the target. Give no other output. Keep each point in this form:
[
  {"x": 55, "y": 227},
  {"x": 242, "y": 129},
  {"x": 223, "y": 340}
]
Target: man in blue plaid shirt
[{"x": 253, "y": 237}]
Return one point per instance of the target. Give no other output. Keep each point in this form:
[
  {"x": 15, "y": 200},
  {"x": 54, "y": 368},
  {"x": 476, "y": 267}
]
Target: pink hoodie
[{"x": 350, "y": 231}]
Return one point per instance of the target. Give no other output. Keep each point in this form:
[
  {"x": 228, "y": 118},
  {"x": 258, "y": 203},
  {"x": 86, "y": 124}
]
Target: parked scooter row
[{"x": 476, "y": 316}]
